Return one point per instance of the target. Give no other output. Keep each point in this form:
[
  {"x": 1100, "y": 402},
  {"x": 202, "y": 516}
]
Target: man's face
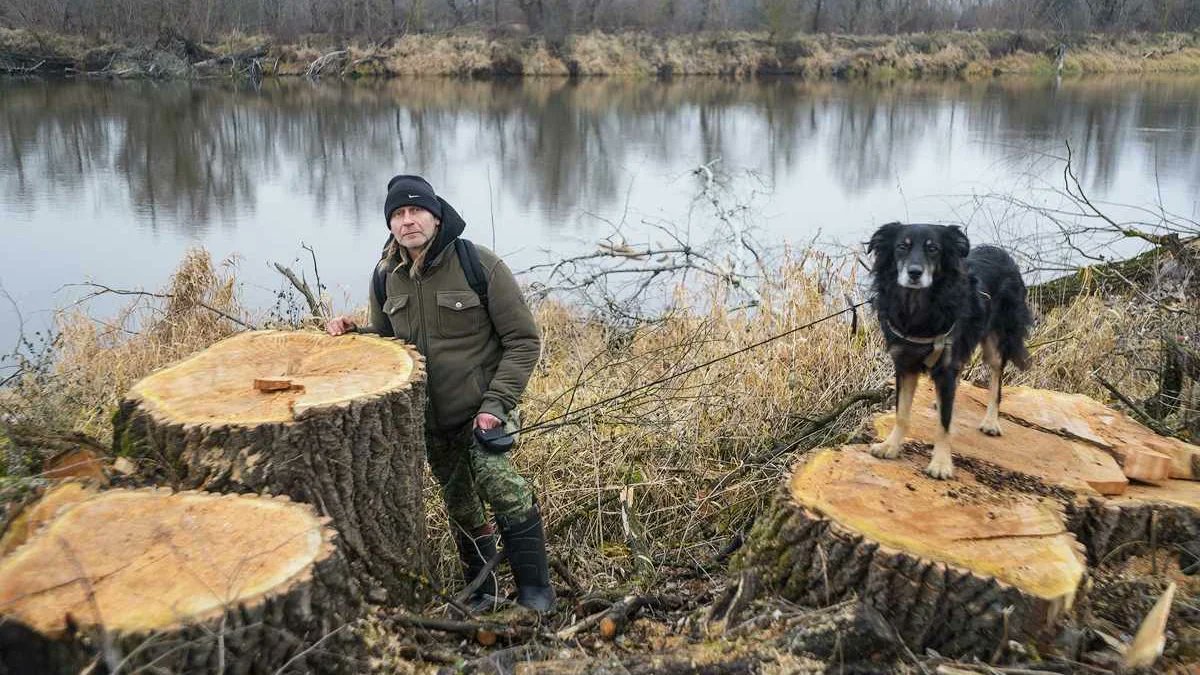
[{"x": 412, "y": 226}]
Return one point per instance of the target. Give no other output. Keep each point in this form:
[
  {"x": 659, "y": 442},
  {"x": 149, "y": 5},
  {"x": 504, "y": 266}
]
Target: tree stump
[
  {"x": 1164, "y": 515},
  {"x": 1143, "y": 454},
  {"x": 940, "y": 560},
  {"x": 189, "y": 582},
  {"x": 1055, "y": 459},
  {"x": 346, "y": 435}
]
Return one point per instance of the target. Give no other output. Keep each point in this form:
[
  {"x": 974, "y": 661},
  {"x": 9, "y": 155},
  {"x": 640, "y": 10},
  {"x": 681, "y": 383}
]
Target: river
[{"x": 112, "y": 181}]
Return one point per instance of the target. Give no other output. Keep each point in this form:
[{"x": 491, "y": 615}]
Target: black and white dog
[{"x": 936, "y": 299}]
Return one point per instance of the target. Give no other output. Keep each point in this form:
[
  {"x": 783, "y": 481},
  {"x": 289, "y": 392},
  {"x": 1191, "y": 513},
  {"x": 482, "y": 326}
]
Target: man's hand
[
  {"x": 487, "y": 421},
  {"x": 340, "y": 326}
]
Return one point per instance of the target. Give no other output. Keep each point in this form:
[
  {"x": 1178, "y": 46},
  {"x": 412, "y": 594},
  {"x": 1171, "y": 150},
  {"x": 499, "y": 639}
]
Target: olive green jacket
[{"x": 477, "y": 359}]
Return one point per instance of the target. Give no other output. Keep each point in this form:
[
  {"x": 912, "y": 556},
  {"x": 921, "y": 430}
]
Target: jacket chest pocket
[
  {"x": 396, "y": 309},
  {"x": 459, "y": 313}
]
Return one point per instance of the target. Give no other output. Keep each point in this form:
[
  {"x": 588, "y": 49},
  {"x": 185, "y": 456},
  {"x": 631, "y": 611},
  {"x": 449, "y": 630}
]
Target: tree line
[{"x": 380, "y": 19}]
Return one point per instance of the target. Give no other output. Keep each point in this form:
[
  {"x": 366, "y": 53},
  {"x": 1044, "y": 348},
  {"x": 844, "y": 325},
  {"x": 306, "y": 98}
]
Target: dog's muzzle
[{"x": 915, "y": 276}]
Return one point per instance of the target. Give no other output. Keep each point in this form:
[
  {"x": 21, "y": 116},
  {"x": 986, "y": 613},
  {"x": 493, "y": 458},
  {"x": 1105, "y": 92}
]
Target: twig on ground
[{"x": 471, "y": 629}]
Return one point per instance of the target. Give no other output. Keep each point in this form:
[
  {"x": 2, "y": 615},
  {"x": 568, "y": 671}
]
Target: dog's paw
[
  {"x": 990, "y": 427},
  {"x": 940, "y": 467},
  {"x": 885, "y": 450}
]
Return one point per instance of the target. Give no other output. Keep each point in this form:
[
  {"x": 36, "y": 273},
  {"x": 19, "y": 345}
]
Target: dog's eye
[
  {"x": 931, "y": 247},
  {"x": 902, "y": 246}
]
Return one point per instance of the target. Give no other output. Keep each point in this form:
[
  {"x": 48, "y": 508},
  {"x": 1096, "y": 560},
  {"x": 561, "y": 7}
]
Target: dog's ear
[
  {"x": 884, "y": 238},
  {"x": 957, "y": 242}
]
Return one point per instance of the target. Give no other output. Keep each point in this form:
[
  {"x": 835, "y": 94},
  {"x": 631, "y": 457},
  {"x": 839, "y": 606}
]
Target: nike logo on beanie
[{"x": 408, "y": 190}]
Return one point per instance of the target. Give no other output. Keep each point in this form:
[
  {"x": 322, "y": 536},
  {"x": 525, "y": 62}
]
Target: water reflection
[{"x": 195, "y": 155}]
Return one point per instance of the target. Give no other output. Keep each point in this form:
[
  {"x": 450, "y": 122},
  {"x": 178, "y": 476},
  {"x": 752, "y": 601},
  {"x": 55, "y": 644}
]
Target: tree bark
[
  {"x": 347, "y": 437},
  {"x": 941, "y": 562},
  {"x": 1146, "y": 517},
  {"x": 179, "y": 582}
]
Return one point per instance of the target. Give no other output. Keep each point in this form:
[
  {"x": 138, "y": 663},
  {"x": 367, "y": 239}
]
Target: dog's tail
[{"x": 1012, "y": 321}]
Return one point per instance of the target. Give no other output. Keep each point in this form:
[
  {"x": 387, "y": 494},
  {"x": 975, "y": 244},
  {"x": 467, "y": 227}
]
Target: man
[{"x": 480, "y": 349}]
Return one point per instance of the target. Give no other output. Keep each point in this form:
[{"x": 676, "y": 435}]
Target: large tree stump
[
  {"x": 346, "y": 435},
  {"x": 940, "y": 560},
  {"x": 1076, "y": 416},
  {"x": 189, "y": 582},
  {"x": 1055, "y": 459}
]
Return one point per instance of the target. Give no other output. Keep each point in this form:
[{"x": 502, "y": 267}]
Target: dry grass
[
  {"x": 95, "y": 361},
  {"x": 741, "y": 54},
  {"x": 675, "y": 444},
  {"x": 738, "y": 54}
]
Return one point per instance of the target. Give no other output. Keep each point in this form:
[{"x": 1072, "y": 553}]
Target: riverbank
[
  {"x": 696, "y": 453},
  {"x": 628, "y": 54}
]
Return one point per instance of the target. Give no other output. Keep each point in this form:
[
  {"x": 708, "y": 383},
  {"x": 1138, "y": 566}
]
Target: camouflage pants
[{"x": 472, "y": 478}]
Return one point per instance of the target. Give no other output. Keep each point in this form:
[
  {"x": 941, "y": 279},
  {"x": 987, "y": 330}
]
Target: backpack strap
[
  {"x": 379, "y": 280},
  {"x": 468, "y": 258}
]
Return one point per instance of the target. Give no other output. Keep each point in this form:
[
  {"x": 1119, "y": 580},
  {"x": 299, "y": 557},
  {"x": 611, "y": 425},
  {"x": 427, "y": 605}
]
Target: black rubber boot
[
  {"x": 474, "y": 552},
  {"x": 525, "y": 544}
]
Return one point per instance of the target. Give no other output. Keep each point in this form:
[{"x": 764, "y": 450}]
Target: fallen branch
[
  {"x": 811, "y": 425},
  {"x": 237, "y": 58},
  {"x": 483, "y": 632},
  {"x": 314, "y": 305},
  {"x": 99, "y": 289},
  {"x": 461, "y": 596},
  {"x": 736, "y": 597},
  {"x": 1142, "y": 415},
  {"x": 318, "y": 66},
  {"x": 619, "y": 616},
  {"x": 584, "y": 624}
]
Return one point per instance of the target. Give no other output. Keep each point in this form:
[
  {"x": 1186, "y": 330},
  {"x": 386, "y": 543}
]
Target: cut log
[
  {"x": 187, "y": 582},
  {"x": 1077, "y": 466},
  {"x": 265, "y": 384},
  {"x": 941, "y": 561},
  {"x": 1143, "y": 454},
  {"x": 351, "y": 442}
]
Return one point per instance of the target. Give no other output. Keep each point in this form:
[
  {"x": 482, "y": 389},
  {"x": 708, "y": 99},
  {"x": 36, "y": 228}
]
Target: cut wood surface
[
  {"x": 34, "y": 515},
  {"x": 350, "y": 441},
  {"x": 267, "y": 385},
  {"x": 83, "y": 464},
  {"x": 254, "y": 576},
  {"x": 1056, "y": 460},
  {"x": 940, "y": 559},
  {"x": 1143, "y": 454},
  {"x": 215, "y": 386}
]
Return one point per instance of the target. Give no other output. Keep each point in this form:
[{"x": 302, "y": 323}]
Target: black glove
[{"x": 495, "y": 440}]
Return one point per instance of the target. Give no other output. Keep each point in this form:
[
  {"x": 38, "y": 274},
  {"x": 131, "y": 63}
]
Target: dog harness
[{"x": 941, "y": 343}]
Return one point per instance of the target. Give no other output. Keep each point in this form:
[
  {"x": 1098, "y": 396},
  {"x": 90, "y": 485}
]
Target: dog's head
[{"x": 917, "y": 254}]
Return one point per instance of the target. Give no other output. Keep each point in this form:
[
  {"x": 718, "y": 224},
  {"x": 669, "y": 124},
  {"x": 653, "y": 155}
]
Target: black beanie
[{"x": 406, "y": 190}]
